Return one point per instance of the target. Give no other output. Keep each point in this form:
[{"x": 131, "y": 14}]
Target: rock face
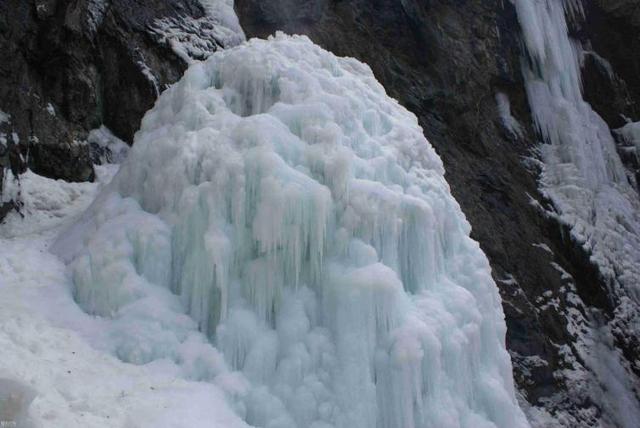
[
  {"x": 627, "y": 10},
  {"x": 456, "y": 65},
  {"x": 613, "y": 30},
  {"x": 67, "y": 67}
]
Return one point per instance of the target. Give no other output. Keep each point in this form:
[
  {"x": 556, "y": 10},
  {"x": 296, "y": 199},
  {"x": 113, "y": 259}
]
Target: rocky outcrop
[
  {"x": 628, "y": 10},
  {"x": 612, "y": 67},
  {"x": 67, "y": 67}
]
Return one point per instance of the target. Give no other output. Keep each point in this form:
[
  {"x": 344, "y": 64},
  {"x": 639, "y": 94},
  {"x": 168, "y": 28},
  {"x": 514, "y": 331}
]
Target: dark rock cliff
[
  {"x": 613, "y": 28},
  {"x": 69, "y": 66}
]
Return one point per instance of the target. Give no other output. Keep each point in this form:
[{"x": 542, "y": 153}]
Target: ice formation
[
  {"x": 106, "y": 147},
  {"x": 630, "y": 134},
  {"x": 54, "y": 351},
  {"x": 504, "y": 111},
  {"x": 583, "y": 174},
  {"x": 305, "y": 225}
]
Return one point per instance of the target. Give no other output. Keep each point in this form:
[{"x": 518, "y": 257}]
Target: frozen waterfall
[
  {"x": 583, "y": 174},
  {"x": 279, "y": 202}
]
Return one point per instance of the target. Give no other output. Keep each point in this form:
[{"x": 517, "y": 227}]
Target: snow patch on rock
[
  {"x": 507, "y": 119},
  {"x": 630, "y": 134},
  {"x": 198, "y": 38}
]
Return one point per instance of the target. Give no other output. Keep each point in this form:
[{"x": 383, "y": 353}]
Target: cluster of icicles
[{"x": 279, "y": 202}]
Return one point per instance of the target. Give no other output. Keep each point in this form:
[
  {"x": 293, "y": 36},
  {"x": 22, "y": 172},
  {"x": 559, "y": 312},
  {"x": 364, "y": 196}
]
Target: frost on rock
[
  {"x": 4, "y": 117},
  {"x": 510, "y": 123},
  {"x": 630, "y": 134},
  {"x": 305, "y": 224},
  {"x": 198, "y": 38},
  {"x": 106, "y": 147},
  {"x": 96, "y": 10}
]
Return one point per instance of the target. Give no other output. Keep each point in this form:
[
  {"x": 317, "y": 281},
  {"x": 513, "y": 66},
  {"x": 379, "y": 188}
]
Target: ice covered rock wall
[
  {"x": 630, "y": 134},
  {"x": 304, "y": 223},
  {"x": 594, "y": 196},
  {"x": 583, "y": 174}
]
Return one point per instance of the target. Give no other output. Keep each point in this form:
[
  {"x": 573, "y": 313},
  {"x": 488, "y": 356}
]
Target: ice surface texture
[{"x": 305, "y": 224}]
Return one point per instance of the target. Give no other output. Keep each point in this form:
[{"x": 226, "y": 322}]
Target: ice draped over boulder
[{"x": 279, "y": 198}]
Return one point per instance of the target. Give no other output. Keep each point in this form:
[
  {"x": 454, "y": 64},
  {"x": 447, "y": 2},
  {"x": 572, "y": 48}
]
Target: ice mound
[{"x": 305, "y": 225}]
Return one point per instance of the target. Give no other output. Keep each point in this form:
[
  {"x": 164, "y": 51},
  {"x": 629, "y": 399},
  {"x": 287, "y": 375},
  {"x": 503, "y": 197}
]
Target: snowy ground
[{"x": 50, "y": 346}]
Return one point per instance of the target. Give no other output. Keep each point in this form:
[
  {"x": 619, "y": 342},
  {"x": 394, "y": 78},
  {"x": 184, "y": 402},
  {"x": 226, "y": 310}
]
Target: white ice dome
[{"x": 277, "y": 200}]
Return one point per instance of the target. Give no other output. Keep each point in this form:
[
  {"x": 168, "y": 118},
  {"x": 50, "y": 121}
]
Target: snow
[
  {"x": 507, "y": 119},
  {"x": 277, "y": 202},
  {"x": 600, "y": 61},
  {"x": 10, "y": 187},
  {"x": 4, "y": 117},
  {"x": 543, "y": 247},
  {"x": 223, "y": 13},
  {"x": 630, "y": 133},
  {"x": 50, "y": 109},
  {"x": 76, "y": 385},
  {"x": 44, "y": 202},
  {"x": 53, "y": 353},
  {"x": 106, "y": 147},
  {"x": 148, "y": 74},
  {"x": 197, "y": 38}
]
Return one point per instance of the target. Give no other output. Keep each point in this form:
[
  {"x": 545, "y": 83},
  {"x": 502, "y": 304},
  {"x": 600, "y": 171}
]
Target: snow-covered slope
[
  {"x": 278, "y": 201},
  {"x": 53, "y": 353}
]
